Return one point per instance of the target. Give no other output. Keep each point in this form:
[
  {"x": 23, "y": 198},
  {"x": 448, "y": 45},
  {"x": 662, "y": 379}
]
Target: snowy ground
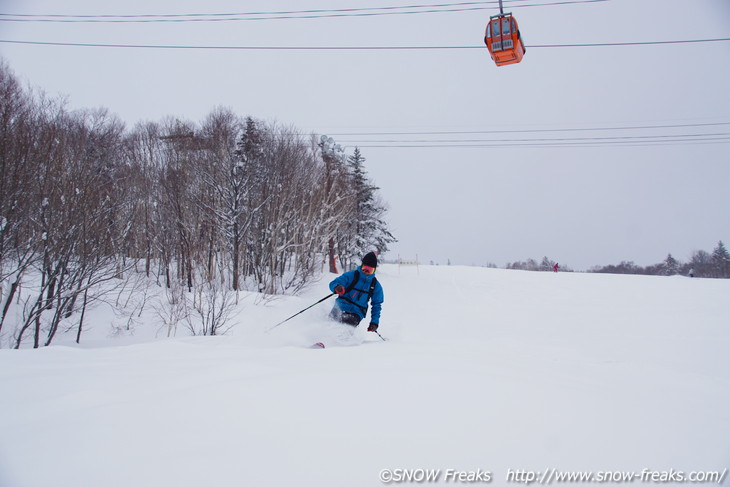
[{"x": 485, "y": 370}]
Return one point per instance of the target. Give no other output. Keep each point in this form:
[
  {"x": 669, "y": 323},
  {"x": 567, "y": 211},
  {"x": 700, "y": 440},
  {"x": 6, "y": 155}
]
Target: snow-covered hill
[{"x": 485, "y": 371}]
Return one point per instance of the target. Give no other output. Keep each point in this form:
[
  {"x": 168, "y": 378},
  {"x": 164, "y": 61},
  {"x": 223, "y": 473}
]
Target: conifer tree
[
  {"x": 370, "y": 230},
  {"x": 671, "y": 266},
  {"x": 244, "y": 173},
  {"x": 721, "y": 260}
]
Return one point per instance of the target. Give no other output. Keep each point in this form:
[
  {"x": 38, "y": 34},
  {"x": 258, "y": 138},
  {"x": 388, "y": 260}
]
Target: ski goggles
[{"x": 366, "y": 269}]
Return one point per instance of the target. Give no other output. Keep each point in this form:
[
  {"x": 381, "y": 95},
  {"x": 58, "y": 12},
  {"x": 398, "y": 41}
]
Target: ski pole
[
  {"x": 302, "y": 311},
  {"x": 381, "y": 336}
]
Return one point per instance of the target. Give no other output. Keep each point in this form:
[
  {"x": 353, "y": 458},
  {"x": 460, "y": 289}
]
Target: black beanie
[{"x": 370, "y": 259}]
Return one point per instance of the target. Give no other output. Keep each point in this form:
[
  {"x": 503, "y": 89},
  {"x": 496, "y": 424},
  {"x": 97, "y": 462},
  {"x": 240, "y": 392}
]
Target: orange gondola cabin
[{"x": 503, "y": 40}]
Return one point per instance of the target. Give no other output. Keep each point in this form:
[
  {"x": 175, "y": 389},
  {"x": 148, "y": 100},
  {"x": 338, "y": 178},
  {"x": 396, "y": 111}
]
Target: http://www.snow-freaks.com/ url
[{"x": 550, "y": 476}]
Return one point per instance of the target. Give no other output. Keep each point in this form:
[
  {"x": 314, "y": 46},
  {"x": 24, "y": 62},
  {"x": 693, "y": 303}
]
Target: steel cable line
[
  {"x": 349, "y": 48},
  {"x": 546, "y": 144},
  {"x": 566, "y": 141},
  {"x": 519, "y": 131},
  {"x": 562, "y": 139},
  {"x": 647, "y": 140},
  {"x": 233, "y": 14},
  {"x": 282, "y": 15},
  {"x": 700, "y": 140}
]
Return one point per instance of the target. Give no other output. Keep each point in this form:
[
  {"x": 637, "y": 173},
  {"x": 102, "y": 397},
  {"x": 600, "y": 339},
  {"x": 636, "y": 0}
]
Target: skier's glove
[
  {"x": 339, "y": 289},
  {"x": 373, "y": 327}
]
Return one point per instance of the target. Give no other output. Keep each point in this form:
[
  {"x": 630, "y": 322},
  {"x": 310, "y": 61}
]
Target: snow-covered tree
[
  {"x": 671, "y": 266},
  {"x": 721, "y": 260},
  {"x": 368, "y": 230}
]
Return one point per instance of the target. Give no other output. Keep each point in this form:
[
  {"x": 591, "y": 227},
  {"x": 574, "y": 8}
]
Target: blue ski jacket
[{"x": 356, "y": 301}]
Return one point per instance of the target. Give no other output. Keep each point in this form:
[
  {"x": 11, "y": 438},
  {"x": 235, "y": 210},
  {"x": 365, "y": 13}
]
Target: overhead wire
[
  {"x": 462, "y": 139},
  {"x": 546, "y": 144},
  {"x": 527, "y": 143},
  {"x": 518, "y": 131},
  {"x": 281, "y": 15},
  {"x": 351, "y": 48},
  {"x": 230, "y": 14},
  {"x": 386, "y": 10}
]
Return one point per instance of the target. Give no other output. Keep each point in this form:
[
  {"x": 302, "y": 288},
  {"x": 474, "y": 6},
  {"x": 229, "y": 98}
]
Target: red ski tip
[{"x": 318, "y": 345}]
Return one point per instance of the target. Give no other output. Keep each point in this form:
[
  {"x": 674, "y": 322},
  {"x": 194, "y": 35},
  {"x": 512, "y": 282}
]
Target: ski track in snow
[{"x": 483, "y": 369}]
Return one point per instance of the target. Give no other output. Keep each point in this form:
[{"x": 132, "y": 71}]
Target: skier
[
  {"x": 354, "y": 290},
  {"x": 556, "y": 267}
]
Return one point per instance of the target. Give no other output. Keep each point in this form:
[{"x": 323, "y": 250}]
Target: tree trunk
[
  {"x": 81, "y": 320},
  {"x": 333, "y": 263},
  {"x": 13, "y": 289},
  {"x": 236, "y": 251}
]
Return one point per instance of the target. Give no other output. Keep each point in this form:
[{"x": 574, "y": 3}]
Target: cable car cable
[
  {"x": 283, "y": 15},
  {"x": 639, "y": 43},
  {"x": 574, "y": 129},
  {"x": 640, "y": 138},
  {"x": 518, "y": 144},
  {"x": 349, "y": 48},
  {"x": 232, "y": 14}
]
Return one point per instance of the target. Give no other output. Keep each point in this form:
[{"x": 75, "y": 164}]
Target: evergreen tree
[
  {"x": 721, "y": 260},
  {"x": 245, "y": 193},
  {"x": 671, "y": 266},
  {"x": 369, "y": 227}
]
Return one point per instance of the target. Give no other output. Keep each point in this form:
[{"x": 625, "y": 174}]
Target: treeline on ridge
[
  {"x": 702, "y": 264},
  {"x": 715, "y": 264}
]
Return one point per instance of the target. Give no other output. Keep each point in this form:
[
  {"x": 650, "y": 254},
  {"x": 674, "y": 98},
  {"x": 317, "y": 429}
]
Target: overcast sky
[{"x": 479, "y": 164}]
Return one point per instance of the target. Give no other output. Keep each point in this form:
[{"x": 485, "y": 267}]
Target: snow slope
[{"x": 485, "y": 369}]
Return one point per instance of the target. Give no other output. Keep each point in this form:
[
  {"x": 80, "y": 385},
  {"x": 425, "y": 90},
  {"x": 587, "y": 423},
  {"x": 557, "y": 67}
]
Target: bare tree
[
  {"x": 213, "y": 305},
  {"x": 19, "y": 120},
  {"x": 206, "y": 210}
]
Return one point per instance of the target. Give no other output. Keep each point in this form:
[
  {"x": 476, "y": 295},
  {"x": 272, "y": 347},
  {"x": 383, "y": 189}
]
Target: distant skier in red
[{"x": 555, "y": 267}]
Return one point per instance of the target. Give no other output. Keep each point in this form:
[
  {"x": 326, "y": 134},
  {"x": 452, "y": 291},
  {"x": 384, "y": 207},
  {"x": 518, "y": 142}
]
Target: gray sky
[{"x": 502, "y": 194}]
